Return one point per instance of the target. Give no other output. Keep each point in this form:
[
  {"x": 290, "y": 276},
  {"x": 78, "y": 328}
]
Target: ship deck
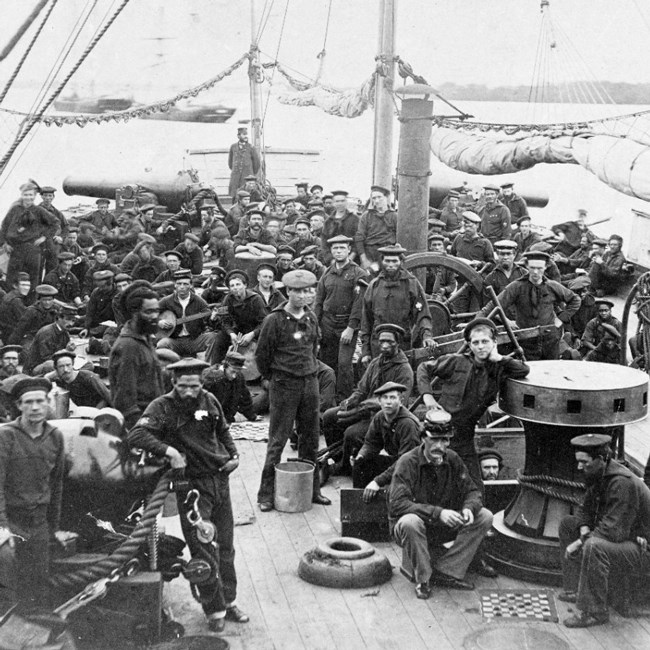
[{"x": 287, "y": 613}]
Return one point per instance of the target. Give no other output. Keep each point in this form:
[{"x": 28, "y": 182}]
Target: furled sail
[{"x": 620, "y": 162}]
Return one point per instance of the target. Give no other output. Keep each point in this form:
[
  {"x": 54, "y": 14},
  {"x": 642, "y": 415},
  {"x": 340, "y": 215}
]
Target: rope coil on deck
[
  {"x": 532, "y": 482},
  {"x": 127, "y": 549}
]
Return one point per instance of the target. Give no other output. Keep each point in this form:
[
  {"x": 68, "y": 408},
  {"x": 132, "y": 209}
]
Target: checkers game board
[
  {"x": 518, "y": 604},
  {"x": 255, "y": 431}
]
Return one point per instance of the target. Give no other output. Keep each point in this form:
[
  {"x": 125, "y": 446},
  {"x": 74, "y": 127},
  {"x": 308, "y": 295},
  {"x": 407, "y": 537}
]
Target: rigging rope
[
  {"x": 14, "y": 74},
  {"x": 322, "y": 53},
  {"x": 277, "y": 52},
  {"x": 55, "y": 94}
]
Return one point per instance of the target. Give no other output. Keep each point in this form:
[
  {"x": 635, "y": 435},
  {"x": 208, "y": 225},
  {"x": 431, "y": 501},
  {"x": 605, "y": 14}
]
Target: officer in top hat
[
  {"x": 608, "y": 535},
  {"x": 243, "y": 160},
  {"x": 286, "y": 355},
  {"x": 432, "y": 499},
  {"x": 393, "y": 431},
  {"x": 188, "y": 427},
  {"x": 395, "y": 296},
  {"x": 377, "y": 228}
]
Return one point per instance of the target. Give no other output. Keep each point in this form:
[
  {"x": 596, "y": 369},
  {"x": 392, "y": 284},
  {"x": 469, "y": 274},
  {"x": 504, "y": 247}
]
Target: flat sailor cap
[
  {"x": 29, "y": 384},
  {"x": 378, "y": 188},
  {"x": 506, "y": 243},
  {"x": 299, "y": 279},
  {"x": 188, "y": 365},
  {"x": 591, "y": 440},
  {"x": 389, "y": 386},
  {"x": 310, "y": 250},
  {"x": 468, "y": 215},
  {"x": 103, "y": 275},
  {"x": 437, "y": 424},
  {"x": 392, "y": 328},
  {"x": 46, "y": 290},
  {"x": 393, "y": 249},
  {"x": 339, "y": 239},
  {"x": 478, "y": 322}
]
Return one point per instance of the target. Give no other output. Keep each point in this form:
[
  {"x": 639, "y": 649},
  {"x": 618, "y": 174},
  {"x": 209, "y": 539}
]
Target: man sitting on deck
[
  {"x": 608, "y": 535},
  {"x": 433, "y": 500}
]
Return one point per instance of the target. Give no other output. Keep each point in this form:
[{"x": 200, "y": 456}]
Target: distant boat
[
  {"x": 103, "y": 104},
  {"x": 208, "y": 113}
]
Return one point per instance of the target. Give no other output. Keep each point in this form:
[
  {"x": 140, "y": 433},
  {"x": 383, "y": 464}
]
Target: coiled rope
[
  {"x": 128, "y": 549},
  {"x": 541, "y": 483}
]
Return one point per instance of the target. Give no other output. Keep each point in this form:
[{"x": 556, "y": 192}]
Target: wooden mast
[
  {"x": 255, "y": 77},
  {"x": 382, "y": 164}
]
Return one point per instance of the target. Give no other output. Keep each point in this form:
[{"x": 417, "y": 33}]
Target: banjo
[{"x": 170, "y": 317}]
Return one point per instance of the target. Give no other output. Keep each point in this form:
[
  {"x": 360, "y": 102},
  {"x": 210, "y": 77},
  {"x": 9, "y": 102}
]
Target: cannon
[{"x": 171, "y": 190}]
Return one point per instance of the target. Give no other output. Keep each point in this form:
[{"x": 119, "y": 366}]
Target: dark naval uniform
[
  {"x": 35, "y": 317},
  {"x": 347, "y": 226},
  {"x": 495, "y": 222},
  {"x": 374, "y": 231},
  {"x": 243, "y": 160},
  {"x": 67, "y": 285},
  {"x": 286, "y": 355},
  {"x": 47, "y": 341},
  {"x": 476, "y": 248},
  {"x": 12, "y": 308},
  {"x": 233, "y": 396},
  {"x": 338, "y": 304},
  {"x": 400, "y": 301},
  {"x": 516, "y": 205},
  {"x": 134, "y": 374},
  {"x": 201, "y": 433}
]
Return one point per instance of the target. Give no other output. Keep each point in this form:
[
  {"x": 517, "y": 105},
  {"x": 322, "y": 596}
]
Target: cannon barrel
[
  {"x": 535, "y": 196},
  {"x": 172, "y": 189}
]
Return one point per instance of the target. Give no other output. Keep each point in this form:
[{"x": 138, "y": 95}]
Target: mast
[
  {"x": 382, "y": 163},
  {"x": 255, "y": 76}
]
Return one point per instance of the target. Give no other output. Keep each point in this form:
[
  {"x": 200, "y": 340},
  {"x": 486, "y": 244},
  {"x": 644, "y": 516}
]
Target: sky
[{"x": 491, "y": 42}]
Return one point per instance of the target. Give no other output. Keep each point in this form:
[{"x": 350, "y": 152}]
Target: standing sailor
[{"x": 243, "y": 161}]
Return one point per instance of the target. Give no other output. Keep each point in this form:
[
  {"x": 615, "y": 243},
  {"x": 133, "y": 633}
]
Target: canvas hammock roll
[{"x": 621, "y": 163}]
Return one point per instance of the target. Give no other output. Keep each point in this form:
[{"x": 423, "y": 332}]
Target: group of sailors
[{"x": 325, "y": 310}]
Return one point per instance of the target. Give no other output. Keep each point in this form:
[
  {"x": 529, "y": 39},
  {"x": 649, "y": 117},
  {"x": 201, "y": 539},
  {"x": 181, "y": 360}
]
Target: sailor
[
  {"x": 377, "y": 228},
  {"x": 579, "y": 259},
  {"x": 100, "y": 263},
  {"x": 495, "y": 217},
  {"x": 9, "y": 359},
  {"x": 100, "y": 305},
  {"x": 237, "y": 211},
  {"x": 608, "y": 535},
  {"x": 284, "y": 260},
  {"x": 32, "y": 464},
  {"x": 469, "y": 382},
  {"x": 393, "y": 431},
  {"x": 570, "y": 232},
  {"x": 286, "y": 356},
  {"x": 349, "y": 420},
  {"x": 173, "y": 263},
  {"x": 525, "y": 236},
  {"x": 316, "y": 221},
  {"x": 79, "y": 259},
  {"x": 302, "y": 195},
  {"x": 188, "y": 427},
  {"x": 505, "y": 270},
  {"x": 432, "y": 501},
  {"x": 538, "y": 301},
  {"x": 595, "y": 329},
  {"x": 242, "y": 322},
  {"x": 609, "y": 271},
  {"x": 254, "y": 238},
  {"x": 491, "y": 463},
  {"x": 133, "y": 370},
  {"x": 609, "y": 348},
  {"x": 451, "y": 215},
  {"x": 341, "y": 222},
  {"x": 191, "y": 337},
  {"x": 243, "y": 161},
  {"x": 265, "y": 286},
  {"x": 64, "y": 280},
  {"x": 515, "y": 203},
  {"x": 12, "y": 306},
  {"x": 226, "y": 382},
  {"x": 395, "y": 296},
  {"x": 308, "y": 261},
  {"x": 441, "y": 281},
  {"x": 103, "y": 220},
  {"x": 192, "y": 255},
  {"x": 49, "y": 339},
  {"x": 41, "y": 313},
  {"x": 338, "y": 304},
  {"x": 470, "y": 244},
  {"x": 328, "y": 204},
  {"x": 84, "y": 387},
  {"x": 52, "y": 243},
  {"x": 24, "y": 229},
  {"x": 303, "y": 238}
]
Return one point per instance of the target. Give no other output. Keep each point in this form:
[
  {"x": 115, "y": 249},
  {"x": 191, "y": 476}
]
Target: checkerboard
[{"x": 518, "y": 604}]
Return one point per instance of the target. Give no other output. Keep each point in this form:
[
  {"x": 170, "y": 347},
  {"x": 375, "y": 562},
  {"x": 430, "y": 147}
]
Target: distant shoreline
[{"x": 574, "y": 93}]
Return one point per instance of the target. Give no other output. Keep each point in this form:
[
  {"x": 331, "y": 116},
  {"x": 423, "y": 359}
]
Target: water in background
[{"x": 346, "y": 145}]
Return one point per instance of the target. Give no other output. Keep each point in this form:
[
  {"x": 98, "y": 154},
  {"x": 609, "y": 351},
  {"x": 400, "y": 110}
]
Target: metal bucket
[{"x": 294, "y": 485}]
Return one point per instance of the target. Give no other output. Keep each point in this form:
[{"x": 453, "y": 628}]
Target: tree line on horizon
[{"x": 571, "y": 93}]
